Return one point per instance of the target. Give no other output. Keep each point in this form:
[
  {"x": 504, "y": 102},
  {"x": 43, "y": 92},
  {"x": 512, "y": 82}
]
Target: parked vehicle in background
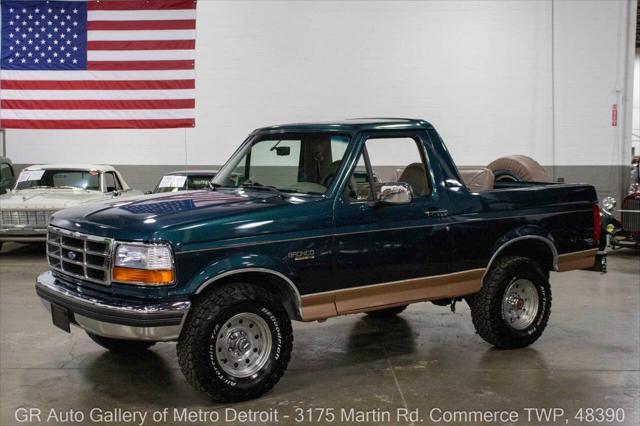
[
  {"x": 626, "y": 231},
  {"x": 42, "y": 190},
  {"x": 296, "y": 227},
  {"x": 7, "y": 175},
  {"x": 184, "y": 181}
]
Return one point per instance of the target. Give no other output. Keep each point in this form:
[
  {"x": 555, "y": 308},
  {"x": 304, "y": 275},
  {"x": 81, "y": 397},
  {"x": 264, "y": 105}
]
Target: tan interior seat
[
  {"x": 478, "y": 180},
  {"x": 415, "y": 175}
]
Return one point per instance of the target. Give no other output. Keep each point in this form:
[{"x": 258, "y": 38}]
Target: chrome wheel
[
  {"x": 520, "y": 304},
  {"x": 243, "y": 345}
]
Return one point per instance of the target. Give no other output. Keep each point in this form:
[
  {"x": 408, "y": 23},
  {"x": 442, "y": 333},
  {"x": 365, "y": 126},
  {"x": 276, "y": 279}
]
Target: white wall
[
  {"x": 636, "y": 105},
  {"x": 481, "y": 72}
]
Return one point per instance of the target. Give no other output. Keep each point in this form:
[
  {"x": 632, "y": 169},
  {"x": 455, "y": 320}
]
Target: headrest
[
  {"x": 416, "y": 176},
  {"x": 478, "y": 180}
]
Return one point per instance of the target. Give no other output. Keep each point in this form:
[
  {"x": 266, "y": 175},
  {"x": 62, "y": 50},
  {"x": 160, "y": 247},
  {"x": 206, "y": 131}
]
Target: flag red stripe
[
  {"x": 97, "y": 124},
  {"x": 97, "y": 84},
  {"x": 142, "y": 45},
  {"x": 139, "y": 65},
  {"x": 185, "y": 24},
  {"x": 101, "y": 104},
  {"x": 141, "y": 5}
]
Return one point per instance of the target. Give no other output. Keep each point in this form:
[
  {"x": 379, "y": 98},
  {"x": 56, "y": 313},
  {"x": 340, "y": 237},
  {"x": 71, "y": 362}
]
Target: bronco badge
[{"x": 302, "y": 255}]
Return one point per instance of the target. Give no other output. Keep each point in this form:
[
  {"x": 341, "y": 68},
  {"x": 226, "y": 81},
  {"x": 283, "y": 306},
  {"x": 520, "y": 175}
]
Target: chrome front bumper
[{"x": 159, "y": 322}]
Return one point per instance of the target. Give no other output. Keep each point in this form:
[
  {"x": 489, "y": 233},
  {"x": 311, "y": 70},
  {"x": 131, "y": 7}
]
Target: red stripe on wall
[
  {"x": 97, "y": 124},
  {"x": 141, "y": 5},
  {"x": 186, "y": 24},
  {"x": 101, "y": 104},
  {"x": 139, "y": 65},
  {"x": 96, "y": 85},
  {"x": 142, "y": 45}
]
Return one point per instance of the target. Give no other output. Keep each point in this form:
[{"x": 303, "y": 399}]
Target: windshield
[
  {"x": 302, "y": 163},
  {"x": 83, "y": 179},
  {"x": 173, "y": 183}
]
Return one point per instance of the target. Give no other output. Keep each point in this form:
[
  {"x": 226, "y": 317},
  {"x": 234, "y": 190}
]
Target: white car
[{"x": 42, "y": 190}]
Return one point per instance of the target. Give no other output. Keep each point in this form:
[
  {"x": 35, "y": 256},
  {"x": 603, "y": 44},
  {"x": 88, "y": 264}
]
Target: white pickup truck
[{"x": 42, "y": 190}]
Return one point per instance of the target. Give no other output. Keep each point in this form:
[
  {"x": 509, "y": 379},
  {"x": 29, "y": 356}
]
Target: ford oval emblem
[{"x": 71, "y": 255}]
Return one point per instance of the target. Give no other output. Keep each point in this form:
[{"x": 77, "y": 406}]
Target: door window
[
  {"x": 111, "y": 181},
  {"x": 6, "y": 172},
  {"x": 391, "y": 160}
]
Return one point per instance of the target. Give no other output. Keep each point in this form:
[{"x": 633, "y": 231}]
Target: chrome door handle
[{"x": 436, "y": 213}]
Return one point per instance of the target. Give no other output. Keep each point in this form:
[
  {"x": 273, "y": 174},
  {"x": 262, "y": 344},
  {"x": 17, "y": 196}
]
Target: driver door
[{"x": 377, "y": 244}]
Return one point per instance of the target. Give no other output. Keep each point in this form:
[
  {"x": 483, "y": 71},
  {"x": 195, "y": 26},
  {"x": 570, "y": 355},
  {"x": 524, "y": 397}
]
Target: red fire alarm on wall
[{"x": 614, "y": 115}]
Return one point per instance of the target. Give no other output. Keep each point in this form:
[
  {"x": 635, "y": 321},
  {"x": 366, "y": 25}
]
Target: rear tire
[
  {"x": 512, "y": 308},
  {"x": 120, "y": 345},
  {"x": 236, "y": 343},
  {"x": 387, "y": 313}
]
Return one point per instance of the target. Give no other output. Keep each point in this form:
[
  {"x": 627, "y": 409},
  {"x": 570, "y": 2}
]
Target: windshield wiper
[{"x": 259, "y": 186}]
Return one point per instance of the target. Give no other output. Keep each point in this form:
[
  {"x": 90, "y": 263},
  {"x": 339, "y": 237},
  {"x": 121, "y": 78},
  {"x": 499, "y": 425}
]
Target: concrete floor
[{"x": 427, "y": 358}]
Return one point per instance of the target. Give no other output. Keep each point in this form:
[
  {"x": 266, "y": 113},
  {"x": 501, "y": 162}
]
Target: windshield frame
[
  {"x": 100, "y": 179},
  {"x": 282, "y": 134}
]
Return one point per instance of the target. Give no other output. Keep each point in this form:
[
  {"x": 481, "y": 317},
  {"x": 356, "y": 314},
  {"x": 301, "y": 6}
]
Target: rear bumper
[{"x": 161, "y": 321}]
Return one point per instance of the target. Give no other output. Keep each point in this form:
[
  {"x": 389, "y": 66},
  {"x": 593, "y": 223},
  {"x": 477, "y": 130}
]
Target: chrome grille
[
  {"x": 631, "y": 215},
  {"x": 82, "y": 256},
  {"x": 25, "y": 217}
]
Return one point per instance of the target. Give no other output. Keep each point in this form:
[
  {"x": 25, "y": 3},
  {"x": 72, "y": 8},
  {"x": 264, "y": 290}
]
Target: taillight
[{"x": 596, "y": 222}]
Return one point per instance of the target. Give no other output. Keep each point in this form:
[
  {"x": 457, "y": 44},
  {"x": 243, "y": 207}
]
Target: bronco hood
[{"x": 183, "y": 217}]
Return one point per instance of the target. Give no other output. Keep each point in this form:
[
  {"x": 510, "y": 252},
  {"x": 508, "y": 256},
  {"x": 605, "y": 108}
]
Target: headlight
[
  {"x": 608, "y": 203},
  {"x": 143, "y": 264}
]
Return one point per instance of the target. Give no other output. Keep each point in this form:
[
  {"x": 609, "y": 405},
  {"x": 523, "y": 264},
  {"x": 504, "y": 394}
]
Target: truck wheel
[
  {"x": 513, "y": 306},
  {"x": 120, "y": 345},
  {"x": 387, "y": 313},
  {"x": 236, "y": 343}
]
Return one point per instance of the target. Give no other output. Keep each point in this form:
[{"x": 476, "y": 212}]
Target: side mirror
[
  {"x": 283, "y": 151},
  {"x": 148, "y": 192},
  {"x": 393, "y": 193},
  {"x": 117, "y": 193}
]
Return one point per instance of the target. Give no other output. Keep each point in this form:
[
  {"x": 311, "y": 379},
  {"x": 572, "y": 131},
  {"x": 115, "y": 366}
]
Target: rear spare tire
[{"x": 518, "y": 168}]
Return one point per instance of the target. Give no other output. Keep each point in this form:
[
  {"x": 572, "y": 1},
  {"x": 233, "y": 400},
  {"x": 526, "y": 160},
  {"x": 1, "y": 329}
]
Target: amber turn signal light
[{"x": 143, "y": 276}]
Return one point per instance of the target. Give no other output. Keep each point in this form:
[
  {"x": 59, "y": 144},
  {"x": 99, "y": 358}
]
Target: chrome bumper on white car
[
  {"x": 158, "y": 322},
  {"x": 23, "y": 233}
]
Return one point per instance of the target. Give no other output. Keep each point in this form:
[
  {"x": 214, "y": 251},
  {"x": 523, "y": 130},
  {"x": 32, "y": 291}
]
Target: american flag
[{"x": 97, "y": 64}]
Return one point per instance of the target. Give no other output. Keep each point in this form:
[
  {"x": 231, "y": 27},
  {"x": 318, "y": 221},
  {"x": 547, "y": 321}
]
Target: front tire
[
  {"x": 513, "y": 307},
  {"x": 120, "y": 345},
  {"x": 236, "y": 343}
]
